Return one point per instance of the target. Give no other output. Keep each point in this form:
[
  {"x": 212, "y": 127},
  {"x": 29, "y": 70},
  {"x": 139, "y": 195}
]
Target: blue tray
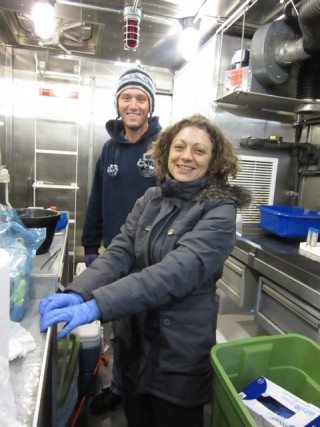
[{"x": 288, "y": 221}]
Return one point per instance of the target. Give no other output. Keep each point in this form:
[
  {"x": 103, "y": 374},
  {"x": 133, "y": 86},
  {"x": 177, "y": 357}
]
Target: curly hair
[{"x": 223, "y": 163}]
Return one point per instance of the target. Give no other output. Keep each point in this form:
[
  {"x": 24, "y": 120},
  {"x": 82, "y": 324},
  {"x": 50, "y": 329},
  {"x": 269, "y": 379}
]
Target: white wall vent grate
[{"x": 258, "y": 174}]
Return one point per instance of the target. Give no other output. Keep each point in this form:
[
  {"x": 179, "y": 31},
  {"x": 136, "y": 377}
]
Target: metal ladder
[{"x": 56, "y": 133}]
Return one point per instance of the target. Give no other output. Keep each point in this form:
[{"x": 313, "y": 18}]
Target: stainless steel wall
[
  {"x": 205, "y": 75},
  {"x": 59, "y": 123}
]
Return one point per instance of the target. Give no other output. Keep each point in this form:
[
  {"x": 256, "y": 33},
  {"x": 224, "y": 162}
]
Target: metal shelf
[
  {"x": 41, "y": 184},
  {"x": 58, "y": 119},
  {"x": 62, "y": 152},
  {"x": 265, "y": 106}
]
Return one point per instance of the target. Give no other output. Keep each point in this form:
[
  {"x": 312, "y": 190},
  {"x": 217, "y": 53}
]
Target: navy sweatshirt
[{"x": 112, "y": 198}]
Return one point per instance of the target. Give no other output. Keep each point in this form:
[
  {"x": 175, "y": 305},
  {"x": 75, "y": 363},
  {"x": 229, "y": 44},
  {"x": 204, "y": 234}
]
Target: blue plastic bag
[{"x": 21, "y": 243}]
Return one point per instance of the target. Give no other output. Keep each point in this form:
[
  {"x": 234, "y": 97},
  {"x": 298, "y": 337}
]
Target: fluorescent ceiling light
[
  {"x": 189, "y": 41},
  {"x": 43, "y": 18}
]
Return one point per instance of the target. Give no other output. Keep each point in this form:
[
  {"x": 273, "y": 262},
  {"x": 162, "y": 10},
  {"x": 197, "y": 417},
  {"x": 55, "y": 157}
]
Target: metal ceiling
[{"x": 95, "y": 28}]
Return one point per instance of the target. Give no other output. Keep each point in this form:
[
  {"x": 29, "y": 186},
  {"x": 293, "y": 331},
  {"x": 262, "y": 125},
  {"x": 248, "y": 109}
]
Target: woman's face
[{"x": 190, "y": 154}]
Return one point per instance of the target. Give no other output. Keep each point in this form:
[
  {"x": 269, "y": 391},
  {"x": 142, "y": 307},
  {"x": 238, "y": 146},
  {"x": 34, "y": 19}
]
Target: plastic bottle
[
  {"x": 312, "y": 238},
  {"x": 19, "y": 280},
  {"x": 239, "y": 224}
]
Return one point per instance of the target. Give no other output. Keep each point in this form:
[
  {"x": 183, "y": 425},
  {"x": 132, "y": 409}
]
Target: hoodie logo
[
  {"x": 146, "y": 167},
  {"x": 113, "y": 170}
]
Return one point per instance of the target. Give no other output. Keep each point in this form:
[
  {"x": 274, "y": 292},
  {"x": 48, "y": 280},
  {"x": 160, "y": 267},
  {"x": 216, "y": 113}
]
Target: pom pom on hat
[{"x": 137, "y": 78}]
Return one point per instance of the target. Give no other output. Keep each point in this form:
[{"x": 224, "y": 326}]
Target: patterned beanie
[{"x": 136, "y": 78}]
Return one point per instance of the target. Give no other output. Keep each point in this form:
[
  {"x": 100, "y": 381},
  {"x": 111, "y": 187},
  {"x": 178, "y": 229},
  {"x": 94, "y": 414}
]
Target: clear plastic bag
[{"x": 21, "y": 243}]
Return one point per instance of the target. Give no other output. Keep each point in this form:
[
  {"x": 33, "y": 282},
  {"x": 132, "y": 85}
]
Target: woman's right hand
[
  {"x": 59, "y": 300},
  {"x": 72, "y": 317}
]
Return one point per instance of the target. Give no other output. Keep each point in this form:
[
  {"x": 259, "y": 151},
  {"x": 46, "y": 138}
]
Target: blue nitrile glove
[
  {"x": 59, "y": 300},
  {"x": 88, "y": 259},
  {"x": 73, "y": 316}
]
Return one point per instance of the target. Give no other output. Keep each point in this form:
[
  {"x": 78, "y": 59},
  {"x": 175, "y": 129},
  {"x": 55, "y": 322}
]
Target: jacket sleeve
[
  {"x": 116, "y": 262},
  {"x": 197, "y": 258},
  {"x": 92, "y": 229}
]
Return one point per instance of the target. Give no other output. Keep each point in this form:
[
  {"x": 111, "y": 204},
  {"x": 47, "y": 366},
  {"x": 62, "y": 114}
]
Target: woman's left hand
[{"x": 73, "y": 316}]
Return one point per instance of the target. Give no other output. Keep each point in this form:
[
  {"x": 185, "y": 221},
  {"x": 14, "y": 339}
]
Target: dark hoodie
[{"x": 112, "y": 198}]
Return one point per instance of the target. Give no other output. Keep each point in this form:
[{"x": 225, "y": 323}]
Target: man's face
[{"x": 134, "y": 108}]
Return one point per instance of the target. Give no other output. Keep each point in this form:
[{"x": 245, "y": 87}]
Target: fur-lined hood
[
  {"x": 201, "y": 191},
  {"x": 222, "y": 190}
]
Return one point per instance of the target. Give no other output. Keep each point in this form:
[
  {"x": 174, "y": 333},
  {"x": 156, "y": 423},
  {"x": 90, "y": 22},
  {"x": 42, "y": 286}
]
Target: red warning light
[
  {"x": 131, "y": 30},
  {"x": 131, "y": 34}
]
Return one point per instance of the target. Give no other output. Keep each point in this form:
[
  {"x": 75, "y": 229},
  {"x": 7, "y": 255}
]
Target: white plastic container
[
  {"x": 89, "y": 356},
  {"x": 91, "y": 342}
]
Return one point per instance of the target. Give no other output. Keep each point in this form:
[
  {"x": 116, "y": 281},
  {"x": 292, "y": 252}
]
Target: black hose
[
  {"x": 308, "y": 79},
  {"x": 291, "y": 17},
  {"x": 309, "y": 15},
  {"x": 264, "y": 144}
]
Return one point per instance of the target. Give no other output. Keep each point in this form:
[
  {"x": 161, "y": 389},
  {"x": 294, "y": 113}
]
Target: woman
[{"x": 158, "y": 276}]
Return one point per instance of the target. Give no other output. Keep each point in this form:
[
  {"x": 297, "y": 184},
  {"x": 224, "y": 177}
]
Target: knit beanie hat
[{"x": 137, "y": 78}]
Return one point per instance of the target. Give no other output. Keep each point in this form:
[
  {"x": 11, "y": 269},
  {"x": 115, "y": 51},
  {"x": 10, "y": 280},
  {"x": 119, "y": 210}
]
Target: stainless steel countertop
[
  {"x": 280, "y": 260},
  {"x": 284, "y": 251},
  {"x": 26, "y": 372}
]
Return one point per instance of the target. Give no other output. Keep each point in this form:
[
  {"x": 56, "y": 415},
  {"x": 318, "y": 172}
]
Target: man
[{"x": 121, "y": 177}]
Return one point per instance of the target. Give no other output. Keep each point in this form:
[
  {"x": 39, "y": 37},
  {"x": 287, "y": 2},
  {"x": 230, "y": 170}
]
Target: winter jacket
[
  {"x": 112, "y": 198},
  {"x": 159, "y": 277}
]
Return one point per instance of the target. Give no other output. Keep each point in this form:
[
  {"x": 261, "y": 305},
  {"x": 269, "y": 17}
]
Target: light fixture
[
  {"x": 131, "y": 31},
  {"x": 190, "y": 37},
  {"x": 43, "y": 18}
]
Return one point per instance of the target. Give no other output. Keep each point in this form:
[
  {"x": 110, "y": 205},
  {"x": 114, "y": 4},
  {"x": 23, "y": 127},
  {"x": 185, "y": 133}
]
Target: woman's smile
[{"x": 190, "y": 154}]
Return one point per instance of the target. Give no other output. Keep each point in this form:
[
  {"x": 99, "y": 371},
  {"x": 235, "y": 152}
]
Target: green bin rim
[{"x": 262, "y": 338}]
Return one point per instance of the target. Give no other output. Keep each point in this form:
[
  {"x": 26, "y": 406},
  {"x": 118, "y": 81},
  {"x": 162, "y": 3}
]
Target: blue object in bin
[
  {"x": 288, "y": 221},
  {"x": 62, "y": 223}
]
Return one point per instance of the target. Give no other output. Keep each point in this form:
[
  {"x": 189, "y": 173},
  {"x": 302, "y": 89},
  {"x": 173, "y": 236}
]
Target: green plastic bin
[
  {"x": 289, "y": 360},
  {"x": 67, "y": 374}
]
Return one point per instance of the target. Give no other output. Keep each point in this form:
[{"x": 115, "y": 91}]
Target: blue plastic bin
[{"x": 288, "y": 221}]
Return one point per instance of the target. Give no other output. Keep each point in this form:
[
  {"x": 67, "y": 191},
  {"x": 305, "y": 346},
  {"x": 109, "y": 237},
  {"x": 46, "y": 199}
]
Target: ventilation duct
[{"x": 276, "y": 46}]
